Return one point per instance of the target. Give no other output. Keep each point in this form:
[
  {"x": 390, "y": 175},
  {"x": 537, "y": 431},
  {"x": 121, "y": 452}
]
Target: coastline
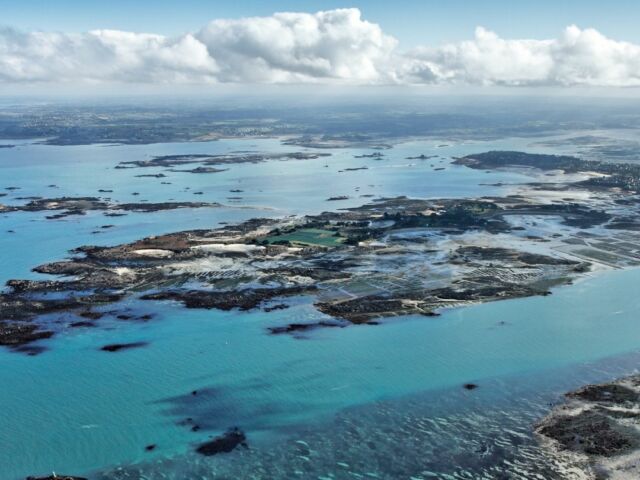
[
  {"x": 226, "y": 250},
  {"x": 597, "y": 425}
]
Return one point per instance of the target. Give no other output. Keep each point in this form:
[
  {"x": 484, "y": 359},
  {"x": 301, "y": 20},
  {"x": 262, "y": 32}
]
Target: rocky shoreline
[
  {"x": 67, "y": 206},
  {"x": 249, "y": 265},
  {"x": 210, "y": 163},
  {"x": 390, "y": 257},
  {"x": 600, "y": 426}
]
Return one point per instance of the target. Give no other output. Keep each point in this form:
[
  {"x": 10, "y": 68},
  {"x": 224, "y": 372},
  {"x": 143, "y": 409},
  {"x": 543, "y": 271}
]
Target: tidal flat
[{"x": 243, "y": 329}]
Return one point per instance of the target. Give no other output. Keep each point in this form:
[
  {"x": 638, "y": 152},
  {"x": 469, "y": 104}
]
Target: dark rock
[
  {"x": 81, "y": 324},
  {"x": 590, "y": 432},
  {"x": 224, "y": 443},
  {"x": 116, "y": 347},
  {"x": 608, "y": 393},
  {"x": 64, "y": 214},
  {"x": 302, "y": 327},
  {"x": 155, "y": 207},
  {"x": 598, "y": 421},
  {"x": 279, "y": 306},
  {"x": 225, "y": 300},
  {"x": 340, "y": 197},
  {"x": 14, "y": 334},
  {"x": 202, "y": 170},
  {"x": 91, "y": 315}
]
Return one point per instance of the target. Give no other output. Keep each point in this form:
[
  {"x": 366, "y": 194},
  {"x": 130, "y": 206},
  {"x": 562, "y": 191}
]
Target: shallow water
[
  {"x": 274, "y": 188},
  {"x": 75, "y": 409},
  {"x": 447, "y": 433}
]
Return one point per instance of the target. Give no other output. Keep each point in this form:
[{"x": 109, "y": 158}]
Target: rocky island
[
  {"x": 390, "y": 257},
  {"x": 210, "y": 163},
  {"x": 362, "y": 265},
  {"x": 67, "y": 206}
]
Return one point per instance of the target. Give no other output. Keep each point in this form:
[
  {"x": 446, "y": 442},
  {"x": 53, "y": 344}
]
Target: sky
[
  {"x": 412, "y": 22},
  {"x": 460, "y": 43}
]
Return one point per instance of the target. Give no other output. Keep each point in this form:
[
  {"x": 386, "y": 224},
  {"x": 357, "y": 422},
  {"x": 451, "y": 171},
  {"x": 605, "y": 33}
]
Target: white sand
[
  {"x": 154, "y": 253},
  {"x": 124, "y": 271}
]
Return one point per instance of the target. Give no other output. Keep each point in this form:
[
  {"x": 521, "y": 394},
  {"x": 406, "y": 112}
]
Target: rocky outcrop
[
  {"x": 224, "y": 443},
  {"x": 600, "y": 425}
]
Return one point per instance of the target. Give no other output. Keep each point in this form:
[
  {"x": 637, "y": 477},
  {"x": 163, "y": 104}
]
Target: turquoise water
[
  {"x": 446, "y": 433},
  {"x": 77, "y": 410},
  {"x": 274, "y": 188}
]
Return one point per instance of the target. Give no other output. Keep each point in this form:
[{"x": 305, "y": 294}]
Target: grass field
[{"x": 308, "y": 236}]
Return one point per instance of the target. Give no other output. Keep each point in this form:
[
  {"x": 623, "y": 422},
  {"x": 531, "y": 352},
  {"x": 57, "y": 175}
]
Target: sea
[{"x": 362, "y": 402}]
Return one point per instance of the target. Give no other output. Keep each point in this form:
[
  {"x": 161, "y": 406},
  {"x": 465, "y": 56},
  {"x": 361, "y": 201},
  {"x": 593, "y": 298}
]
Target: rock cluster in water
[
  {"x": 599, "y": 424},
  {"x": 393, "y": 256},
  {"x": 224, "y": 443}
]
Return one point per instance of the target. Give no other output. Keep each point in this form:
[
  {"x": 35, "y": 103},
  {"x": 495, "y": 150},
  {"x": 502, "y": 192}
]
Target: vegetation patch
[{"x": 306, "y": 236}]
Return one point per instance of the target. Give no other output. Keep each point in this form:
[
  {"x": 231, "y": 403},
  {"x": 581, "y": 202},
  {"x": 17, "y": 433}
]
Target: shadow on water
[{"x": 456, "y": 433}]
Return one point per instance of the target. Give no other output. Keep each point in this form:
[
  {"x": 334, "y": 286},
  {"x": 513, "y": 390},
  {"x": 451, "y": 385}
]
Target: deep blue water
[{"x": 355, "y": 394}]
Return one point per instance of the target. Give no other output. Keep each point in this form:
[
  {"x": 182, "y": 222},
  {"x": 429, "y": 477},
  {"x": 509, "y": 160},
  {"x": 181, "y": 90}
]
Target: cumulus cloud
[
  {"x": 487, "y": 59},
  {"x": 577, "y": 57},
  {"x": 102, "y": 55},
  {"x": 336, "y": 47},
  {"x": 286, "y": 47}
]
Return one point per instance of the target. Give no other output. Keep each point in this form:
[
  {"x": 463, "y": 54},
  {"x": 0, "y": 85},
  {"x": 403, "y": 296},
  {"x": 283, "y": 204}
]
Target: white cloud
[
  {"x": 285, "y": 47},
  {"x": 487, "y": 59},
  {"x": 578, "y": 57},
  {"x": 102, "y": 55},
  {"x": 335, "y": 46}
]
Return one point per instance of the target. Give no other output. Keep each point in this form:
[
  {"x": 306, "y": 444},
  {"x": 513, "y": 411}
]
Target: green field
[{"x": 308, "y": 236}]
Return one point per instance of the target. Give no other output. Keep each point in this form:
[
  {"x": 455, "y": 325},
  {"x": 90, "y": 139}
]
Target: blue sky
[{"x": 411, "y": 21}]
